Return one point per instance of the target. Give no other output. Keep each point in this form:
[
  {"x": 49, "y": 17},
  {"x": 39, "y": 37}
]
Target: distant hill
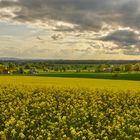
[
  {"x": 8, "y": 58},
  {"x": 61, "y": 61}
]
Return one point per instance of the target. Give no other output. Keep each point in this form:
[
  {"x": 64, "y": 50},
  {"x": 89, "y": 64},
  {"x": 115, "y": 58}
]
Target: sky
[{"x": 70, "y": 29}]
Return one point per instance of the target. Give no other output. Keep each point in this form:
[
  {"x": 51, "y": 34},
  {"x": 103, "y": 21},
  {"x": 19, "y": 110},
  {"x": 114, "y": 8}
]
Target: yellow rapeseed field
[
  {"x": 41, "y": 108},
  {"x": 71, "y": 82}
]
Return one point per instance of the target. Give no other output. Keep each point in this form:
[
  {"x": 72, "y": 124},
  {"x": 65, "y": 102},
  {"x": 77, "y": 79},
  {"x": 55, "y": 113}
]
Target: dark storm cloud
[
  {"x": 122, "y": 37},
  {"x": 126, "y": 40},
  {"x": 6, "y": 3},
  {"x": 56, "y": 37},
  {"x": 86, "y": 14}
]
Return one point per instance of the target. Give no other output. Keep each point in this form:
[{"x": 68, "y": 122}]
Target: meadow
[
  {"x": 53, "y": 108},
  {"x": 135, "y": 76}
]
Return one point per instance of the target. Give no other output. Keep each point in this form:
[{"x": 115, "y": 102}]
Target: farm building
[
  {"x": 107, "y": 70},
  {"x": 33, "y": 72},
  {"x": 6, "y": 72}
]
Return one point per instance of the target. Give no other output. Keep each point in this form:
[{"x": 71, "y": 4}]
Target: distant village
[{"x": 6, "y": 71}]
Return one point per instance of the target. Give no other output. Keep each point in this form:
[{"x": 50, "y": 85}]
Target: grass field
[
  {"x": 71, "y": 82},
  {"x": 115, "y": 76}
]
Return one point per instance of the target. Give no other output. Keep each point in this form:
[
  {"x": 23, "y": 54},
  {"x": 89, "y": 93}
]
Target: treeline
[{"x": 36, "y": 67}]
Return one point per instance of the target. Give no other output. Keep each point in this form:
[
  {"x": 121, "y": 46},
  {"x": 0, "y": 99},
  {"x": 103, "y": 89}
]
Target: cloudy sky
[{"x": 70, "y": 29}]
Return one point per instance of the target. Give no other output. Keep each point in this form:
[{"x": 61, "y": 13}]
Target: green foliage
[{"x": 35, "y": 113}]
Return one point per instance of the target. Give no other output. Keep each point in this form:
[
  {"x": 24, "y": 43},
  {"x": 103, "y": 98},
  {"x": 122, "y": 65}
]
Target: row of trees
[
  {"x": 118, "y": 68},
  {"x": 70, "y": 67}
]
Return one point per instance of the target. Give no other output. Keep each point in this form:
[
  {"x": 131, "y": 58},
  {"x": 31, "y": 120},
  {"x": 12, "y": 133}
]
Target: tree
[
  {"x": 128, "y": 67},
  {"x": 117, "y": 68},
  {"x": 98, "y": 68},
  {"x": 21, "y": 70},
  {"x": 11, "y": 66},
  {"x": 136, "y": 67}
]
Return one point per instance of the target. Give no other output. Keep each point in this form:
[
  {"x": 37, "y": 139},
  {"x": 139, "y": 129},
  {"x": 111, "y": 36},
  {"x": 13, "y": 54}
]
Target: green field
[
  {"x": 114, "y": 76},
  {"x": 71, "y": 82}
]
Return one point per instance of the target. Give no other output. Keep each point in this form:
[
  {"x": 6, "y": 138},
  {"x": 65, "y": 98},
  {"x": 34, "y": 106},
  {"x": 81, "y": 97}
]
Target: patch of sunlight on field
[{"x": 71, "y": 82}]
